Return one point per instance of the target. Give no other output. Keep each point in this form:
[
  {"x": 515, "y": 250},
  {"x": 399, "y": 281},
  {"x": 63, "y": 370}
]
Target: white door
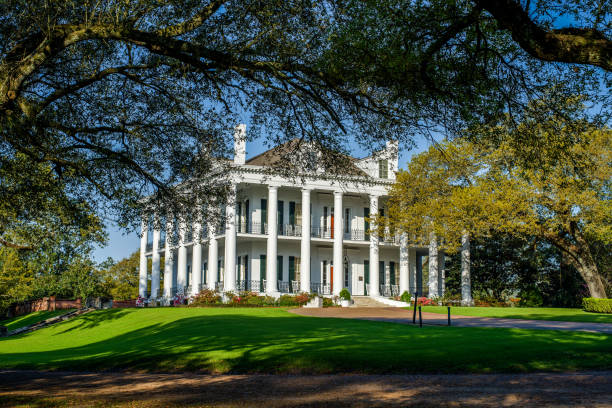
[{"x": 358, "y": 283}]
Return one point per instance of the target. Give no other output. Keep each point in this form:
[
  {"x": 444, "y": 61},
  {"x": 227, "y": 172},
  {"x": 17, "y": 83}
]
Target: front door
[{"x": 358, "y": 283}]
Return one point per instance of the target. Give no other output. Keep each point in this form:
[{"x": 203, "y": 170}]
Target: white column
[
  {"x": 229, "y": 283},
  {"x": 196, "y": 260},
  {"x": 142, "y": 281},
  {"x": 213, "y": 255},
  {"x": 433, "y": 267},
  {"x": 338, "y": 264},
  {"x": 181, "y": 271},
  {"x": 169, "y": 259},
  {"x": 155, "y": 258},
  {"x": 466, "y": 285},
  {"x": 404, "y": 285},
  {"x": 272, "y": 251},
  {"x": 412, "y": 271},
  {"x": 305, "y": 250},
  {"x": 441, "y": 272},
  {"x": 374, "y": 281}
]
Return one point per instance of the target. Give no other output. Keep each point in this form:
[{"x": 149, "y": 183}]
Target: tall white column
[
  {"x": 142, "y": 281},
  {"x": 466, "y": 284},
  {"x": 338, "y": 264},
  {"x": 272, "y": 251},
  {"x": 404, "y": 285},
  {"x": 229, "y": 283},
  {"x": 213, "y": 255},
  {"x": 196, "y": 260},
  {"x": 305, "y": 250},
  {"x": 441, "y": 272},
  {"x": 181, "y": 271},
  {"x": 169, "y": 259},
  {"x": 155, "y": 260},
  {"x": 374, "y": 281},
  {"x": 433, "y": 267}
]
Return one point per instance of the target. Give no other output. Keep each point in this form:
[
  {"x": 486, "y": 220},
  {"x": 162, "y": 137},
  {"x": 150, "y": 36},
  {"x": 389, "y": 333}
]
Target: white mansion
[{"x": 287, "y": 236}]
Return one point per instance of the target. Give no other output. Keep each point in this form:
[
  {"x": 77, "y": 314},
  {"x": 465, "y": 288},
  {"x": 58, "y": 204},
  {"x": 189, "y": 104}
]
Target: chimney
[{"x": 240, "y": 144}]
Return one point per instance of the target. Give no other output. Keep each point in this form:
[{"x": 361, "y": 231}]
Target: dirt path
[
  {"x": 48, "y": 389},
  {"x": 397, "y": 315}
]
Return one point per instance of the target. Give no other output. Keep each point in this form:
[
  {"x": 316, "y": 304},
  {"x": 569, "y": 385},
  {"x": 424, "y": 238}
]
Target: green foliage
[
  {"x": 406, "y": 297},
  {"x": 121, "y": 279},
  {"x": 345, "y": 294},
  {"x": 597, "y": 305},
  {"x": 495, "y": 187},
  {"x": 329, "y": 302},
  {"x": 206, "y": 297}
]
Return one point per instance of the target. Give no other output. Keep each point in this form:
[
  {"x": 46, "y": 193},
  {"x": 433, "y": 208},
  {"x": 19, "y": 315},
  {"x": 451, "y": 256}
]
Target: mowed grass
[
  {"x": 529, "y": 313},
  {"x": 29, "y": 319},
  {"x": 274, "y": 341}
]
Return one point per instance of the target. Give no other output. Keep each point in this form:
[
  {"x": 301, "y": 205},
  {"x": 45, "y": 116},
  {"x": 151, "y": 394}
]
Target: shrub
[
  {"x": 597, "y": 305},
  {"x": 531, "y": 297},
  {"x": 206, "y": 297},
  {"x": 406, "y": 297},
  {"x": 345, "y": 294},
  {"x": 328, "y": 302},
  {"x": 424, "y": 301}
]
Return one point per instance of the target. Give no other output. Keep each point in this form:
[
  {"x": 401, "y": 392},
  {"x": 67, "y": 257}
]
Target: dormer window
[{"x": 383, "y": 168}]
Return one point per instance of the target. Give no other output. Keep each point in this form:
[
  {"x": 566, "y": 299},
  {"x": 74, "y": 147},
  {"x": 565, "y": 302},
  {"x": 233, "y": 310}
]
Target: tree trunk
[{"x": 589, "y": 272}]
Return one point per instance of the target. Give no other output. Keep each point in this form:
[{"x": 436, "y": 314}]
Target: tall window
[
  {"x": 324, "y": 219},
  {"x": 347, "y": 220},
  {"x": 346, "y": 274},
  {"x": 324, "y": 273},
  {"x": 264, "y": 215},
  {"x": 381, "y": 273},
  {"x": 392, "y": 273},
  {"x": 291, "y": 268},
  {"x": 292, "y": 213},
  {"x": 383, "y": 168},
  {"x": 262, "y": 272},
  {"x": 366, "y": 272},
  {"x": 280, "y": 211},
  {"x": 279, "y": 267}
]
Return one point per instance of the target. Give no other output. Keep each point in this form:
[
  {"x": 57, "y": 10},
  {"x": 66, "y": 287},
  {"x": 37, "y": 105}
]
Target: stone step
[{"x": 366, "y": 301}]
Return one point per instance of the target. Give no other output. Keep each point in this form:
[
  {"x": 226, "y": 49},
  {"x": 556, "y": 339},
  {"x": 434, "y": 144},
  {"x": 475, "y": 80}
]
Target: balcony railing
[
  {"x": 320, "y": 232},
  {"x": 320, "y": 288},
  {"x": 356, "y": 235},
  {"x": 389, "y": 290},
  {"x": 251, "y": 285}
]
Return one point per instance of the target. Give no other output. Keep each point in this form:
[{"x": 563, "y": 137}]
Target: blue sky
[{"x": 121, "y": 245}]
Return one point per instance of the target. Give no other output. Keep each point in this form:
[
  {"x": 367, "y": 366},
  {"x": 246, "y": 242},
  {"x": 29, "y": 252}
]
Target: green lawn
[
  {"x": 26, "y": 320},
  {"x": 275, "y": 341},
  {"x": 530, "y": 313}
]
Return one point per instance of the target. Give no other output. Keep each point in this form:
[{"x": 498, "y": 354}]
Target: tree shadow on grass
[
  {"x": 248, "y": 343},
  {"x": 94, "y": 319}
]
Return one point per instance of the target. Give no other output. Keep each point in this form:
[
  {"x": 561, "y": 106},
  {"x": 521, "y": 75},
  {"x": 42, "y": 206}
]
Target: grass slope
[
  {"x": 31, "y": 318},
  {"x": 274, "y": 341},
  {"x": 529, "y": 313}
]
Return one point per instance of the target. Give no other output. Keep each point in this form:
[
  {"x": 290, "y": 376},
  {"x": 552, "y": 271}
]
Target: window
[
  {"x": 279, "y": 267},
  {"x": 291, "y": 268},
  {"x": 280, "y": 212},
  {"x": 381, "y": 273},
  {"x": 324, "y": 219},
  {"x": 262, "y": 271},
  {"x": 204, "y": 278},
  {"x": 392, "y": 273},
  {"x": 292, "y": 213},
  {"x": 247, "y": 217},
  {"x": 383, "y": 168},
  {"x": 346, "y": 274},
  {"x": 347, "y": 220},
  {"x": 264, "y": 215},
  {"x": 247, "y": 275},
  {"x": 324, "y": 273}
]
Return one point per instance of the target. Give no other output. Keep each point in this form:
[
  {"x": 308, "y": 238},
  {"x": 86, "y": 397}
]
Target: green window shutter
[
  {"x": 392, "y": 273},
  {"x": 291, "y": 268},
  {"x": 262, "y": 271},
  {"x": 219, "y": 271},
  {"x": 264, "y": 214},
  {"x": 280, "y": 211},
  {"x": 292, "y": 213},
  {"x": 381, "y": 272},
  {"x": 279, "y": 268}
]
